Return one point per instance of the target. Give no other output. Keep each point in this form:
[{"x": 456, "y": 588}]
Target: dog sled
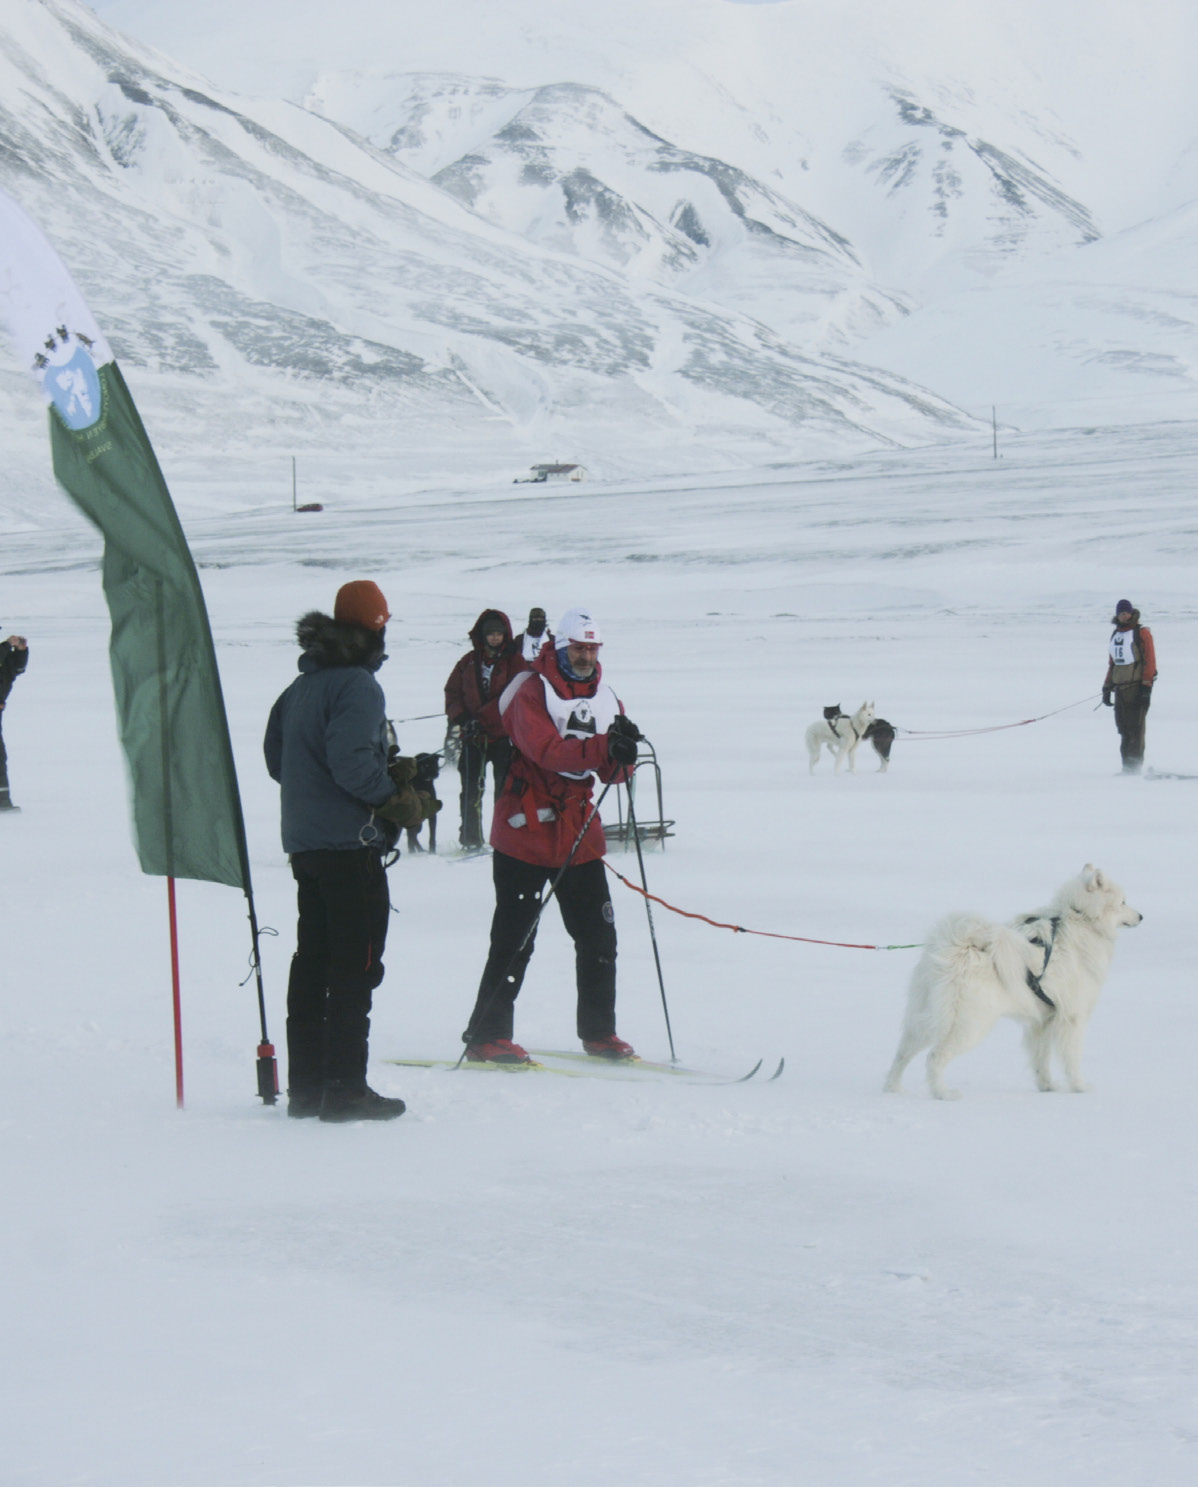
[{"x": 624, "y": 832}]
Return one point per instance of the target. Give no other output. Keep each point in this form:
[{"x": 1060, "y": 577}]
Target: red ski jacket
[
  {"x": 464, "y": 700},
  {"x": 546, "y": 796}
]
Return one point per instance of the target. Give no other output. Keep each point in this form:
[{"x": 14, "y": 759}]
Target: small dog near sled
[
  {"x": 1044, "y": 969},
  {"x": 839, "y": 734}
]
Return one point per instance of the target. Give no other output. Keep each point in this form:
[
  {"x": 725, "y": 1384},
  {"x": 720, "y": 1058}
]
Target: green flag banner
[{"x": 171, "y": 714}]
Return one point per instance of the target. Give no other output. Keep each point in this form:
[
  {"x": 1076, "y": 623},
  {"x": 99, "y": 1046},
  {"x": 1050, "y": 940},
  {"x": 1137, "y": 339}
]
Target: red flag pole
[{"x": 170, "y": 898}]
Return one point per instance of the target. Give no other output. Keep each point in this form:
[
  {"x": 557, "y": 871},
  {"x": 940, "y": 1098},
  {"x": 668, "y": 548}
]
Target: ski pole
[
  {"x": 640, "y": 857},
  {"x": 532, "y": 928}
]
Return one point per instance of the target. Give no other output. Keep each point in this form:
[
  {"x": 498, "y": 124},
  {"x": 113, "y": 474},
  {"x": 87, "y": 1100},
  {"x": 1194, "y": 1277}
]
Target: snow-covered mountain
[
  {"x": 965, "y": 159},
  {"x": 277, "y": 267},
  {"x": 568, "y": 168},
  {"x": 656, "y": 235}
]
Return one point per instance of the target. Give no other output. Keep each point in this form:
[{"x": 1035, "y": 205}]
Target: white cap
[{"x": 580, "y": 626}]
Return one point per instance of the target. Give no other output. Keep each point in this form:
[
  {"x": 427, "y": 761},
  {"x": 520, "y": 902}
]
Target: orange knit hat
[{"x": 361, "y": 603}]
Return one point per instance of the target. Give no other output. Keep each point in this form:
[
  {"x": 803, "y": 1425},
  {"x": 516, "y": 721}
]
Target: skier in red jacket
[
  {"x": 566, "y": 725},
  {"x": 472, "y": 695}
]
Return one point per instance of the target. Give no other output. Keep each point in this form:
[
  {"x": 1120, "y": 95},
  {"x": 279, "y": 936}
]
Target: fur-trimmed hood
[
  {"x": 329, "y": 642},
  {"x": 1135, "y": 620}
]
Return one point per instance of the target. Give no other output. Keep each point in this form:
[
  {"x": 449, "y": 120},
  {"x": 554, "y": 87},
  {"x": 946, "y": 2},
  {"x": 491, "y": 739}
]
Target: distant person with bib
[
  {"x": 1130, "y": 674},
  {"x": 567, "y": 726},
  {"x": 533, "y": 639}
]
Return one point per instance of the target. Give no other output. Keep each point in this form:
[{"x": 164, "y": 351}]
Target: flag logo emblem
[{"x": 72, "y": 384}]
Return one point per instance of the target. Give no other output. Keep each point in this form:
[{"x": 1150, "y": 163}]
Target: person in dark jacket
[
  {"x": 472, "y": 706},
  {"x": 533, "y": 639},
  {"x": 342, "y": 805},
  {"x": 567, "y": 726},
  {"x": 1127, "y": 686},
  {"x": 14, "y": 657}
]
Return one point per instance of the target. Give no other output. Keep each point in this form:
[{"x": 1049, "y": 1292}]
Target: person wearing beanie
[
  {"x": 343, "y": 802},
  {"x": 472, "y": 707},
  {"x": 14, "y": 657},
  {"x": 1130, "y": 676},
  {"x": 567, "y": 726},
  {"x": 361, "y": 603},
  {"x": 533, "y": 640}
]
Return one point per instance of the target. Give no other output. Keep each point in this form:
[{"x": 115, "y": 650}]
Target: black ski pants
[
  {"x": 343, "y": 912},
  {"x": 5, "y": 802},
  {"x": 586, "y": 911},
  {"x": 1131, "y": 719},
  {"x": 472, "y": 768}
]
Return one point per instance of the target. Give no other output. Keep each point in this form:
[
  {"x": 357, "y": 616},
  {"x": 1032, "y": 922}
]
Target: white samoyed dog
[
  {"x": 840, "y": 734},
  {"x": 1044, "y": 969}
]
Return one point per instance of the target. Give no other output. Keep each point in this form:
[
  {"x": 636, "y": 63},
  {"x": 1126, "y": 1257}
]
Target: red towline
[{"x": 739, "y": 928}]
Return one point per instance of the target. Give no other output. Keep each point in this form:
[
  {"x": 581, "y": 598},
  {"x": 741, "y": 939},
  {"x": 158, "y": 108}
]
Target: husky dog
[
  {"x": 881, "y": 734},
  {"x": 1044, "y": 969},
  {"x": 840, "y": 734}
]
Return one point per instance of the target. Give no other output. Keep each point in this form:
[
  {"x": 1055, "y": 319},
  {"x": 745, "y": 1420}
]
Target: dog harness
[{"x": 1033, "y": 980}]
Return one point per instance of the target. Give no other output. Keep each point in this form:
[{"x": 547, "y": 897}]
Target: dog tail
[
  {"x": 964, "y": 934},
  {"x": 965, "y": 941},
  {"x": 957, "y": 950}
]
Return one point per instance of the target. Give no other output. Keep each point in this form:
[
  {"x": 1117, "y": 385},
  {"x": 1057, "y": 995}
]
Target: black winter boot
[
  {"x": 346, "y": 1100},
  {"x": 302, "y": 1102}
]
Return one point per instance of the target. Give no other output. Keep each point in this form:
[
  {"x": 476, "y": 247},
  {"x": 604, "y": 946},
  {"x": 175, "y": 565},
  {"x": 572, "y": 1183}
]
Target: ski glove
[
  {"x": 1107, "y": 700},
  {"x": 404, "y": 808},
  {"x": 620, "y": 748},
  {"x": 1145, "y": 694},
  {"x": 625, "y": 725}
]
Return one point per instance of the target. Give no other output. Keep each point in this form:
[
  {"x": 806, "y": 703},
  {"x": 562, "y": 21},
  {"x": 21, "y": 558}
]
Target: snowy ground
[{"x": 539, "y": 1280}]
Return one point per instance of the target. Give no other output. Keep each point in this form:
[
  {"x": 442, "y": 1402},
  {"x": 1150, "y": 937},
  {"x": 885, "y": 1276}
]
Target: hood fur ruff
[{"x": 331, "y": 642}]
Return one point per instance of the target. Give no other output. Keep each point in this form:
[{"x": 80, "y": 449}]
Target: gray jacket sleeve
[
  {"x": 354, "y": 735},
  {"x": 272, "y": 744}
]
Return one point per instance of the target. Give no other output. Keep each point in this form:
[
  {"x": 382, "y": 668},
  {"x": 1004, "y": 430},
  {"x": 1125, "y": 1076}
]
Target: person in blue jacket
[{"x": 343, "y": 803}]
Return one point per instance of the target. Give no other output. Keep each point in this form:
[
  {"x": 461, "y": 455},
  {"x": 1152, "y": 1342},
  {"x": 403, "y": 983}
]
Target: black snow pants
[
  {"x": 586, "y": 911},
  {"x": 5, "y": 802},
  {"x": 1131, "y": 719},
  {"x": 472, "y": 767},
  {"x": 343, "y": 911}
]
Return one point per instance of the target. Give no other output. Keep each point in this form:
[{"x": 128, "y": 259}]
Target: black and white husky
[
  {"x": 839, "y": 734},
  {"x": 1044, "y": 969}
]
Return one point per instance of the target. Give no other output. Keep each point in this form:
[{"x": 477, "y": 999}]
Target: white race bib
[
  {"x": 581, "y": 717},
  {"x": 1122, "y": 648}
]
